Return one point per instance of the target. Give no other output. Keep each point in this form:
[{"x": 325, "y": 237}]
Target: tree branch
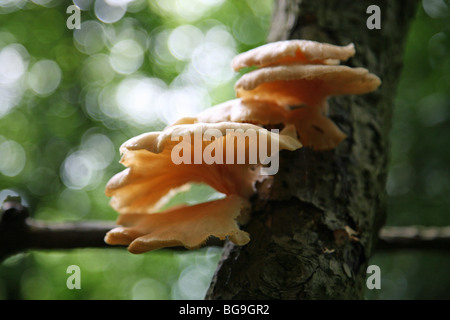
[
  {"x": 19, "y": 232},
  {"x": 414, "y": 238}
]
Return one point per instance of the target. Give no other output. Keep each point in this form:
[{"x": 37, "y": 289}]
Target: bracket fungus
[
  {"x": 299, "y": 76},
  {"x": 289, "y": 88},
  {"x": 160, "y": 163},
  {"x": 293, "y": 51}
]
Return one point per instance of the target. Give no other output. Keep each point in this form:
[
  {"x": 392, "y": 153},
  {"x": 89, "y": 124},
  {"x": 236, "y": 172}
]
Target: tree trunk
[{"x": 315, "y": 224}]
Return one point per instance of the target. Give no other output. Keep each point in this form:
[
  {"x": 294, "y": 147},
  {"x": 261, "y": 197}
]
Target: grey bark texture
[{"x": 315, "y": 224}]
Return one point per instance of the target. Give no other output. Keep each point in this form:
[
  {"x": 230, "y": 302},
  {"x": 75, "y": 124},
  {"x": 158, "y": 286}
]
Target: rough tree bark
[{"x": 303, "y": 246}]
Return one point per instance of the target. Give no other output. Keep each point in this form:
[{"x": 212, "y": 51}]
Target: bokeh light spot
[
  {"x": 12, "y": 157},
  {"x": 136, "y": 97},
  {"x": 182, "y": 102},
  {"x": 90, "y": 38},
  {"x": 97, "y": 70},
  {"x": 185, "y": 10},
  {"x": 436, "y": 8},
  {"x": 12, "y": 64},
  {"x": 83, "y": 4},
  {"x": 79, "y": 170},
  {"x": 110, "y": 11},
  {"x": 126, "y": 56},
  {"x": 101, "y": 148},
  {"x": 44, "y": 77},
  {"x": 183, "y": 41}
]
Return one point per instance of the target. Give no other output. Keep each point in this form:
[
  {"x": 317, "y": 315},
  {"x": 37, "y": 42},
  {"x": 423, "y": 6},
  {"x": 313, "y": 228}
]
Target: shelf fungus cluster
[{"x": 229, "y": 145}]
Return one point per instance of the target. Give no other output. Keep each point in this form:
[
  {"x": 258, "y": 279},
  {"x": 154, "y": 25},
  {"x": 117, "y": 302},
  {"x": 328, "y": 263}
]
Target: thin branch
[
  {"x": 19, "y": 233},
  {"x": 414, "y": 238}
]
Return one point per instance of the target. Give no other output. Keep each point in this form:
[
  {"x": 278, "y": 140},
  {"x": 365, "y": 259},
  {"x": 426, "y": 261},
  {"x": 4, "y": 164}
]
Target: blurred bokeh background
[{"x": 69, "y": 98}]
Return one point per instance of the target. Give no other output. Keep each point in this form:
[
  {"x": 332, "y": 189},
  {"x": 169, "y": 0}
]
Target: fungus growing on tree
[
  {"x": 299, "y": 76},
  {"x": 220, "y": 155},
  {"x": 291, "y": 85},
  {"x": 290, "y": 88},
  {"x": 303, "y": 90}
]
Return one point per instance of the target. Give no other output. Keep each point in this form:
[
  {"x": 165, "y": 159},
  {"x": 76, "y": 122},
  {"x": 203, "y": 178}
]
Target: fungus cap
[
  {"x": 251, "y": 111},
  {"x": 188, "y": 226},
  {"x": 152, "y": 178},
  {"x": 157, "y": 142},
  {"x": 313, "y": 128},
  {"x": 293, "y": 51},
  {"x": 304, "y": 84}
]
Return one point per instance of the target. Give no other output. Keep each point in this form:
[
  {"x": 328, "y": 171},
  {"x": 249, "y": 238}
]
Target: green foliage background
[{"x": 69, "y": 98}]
